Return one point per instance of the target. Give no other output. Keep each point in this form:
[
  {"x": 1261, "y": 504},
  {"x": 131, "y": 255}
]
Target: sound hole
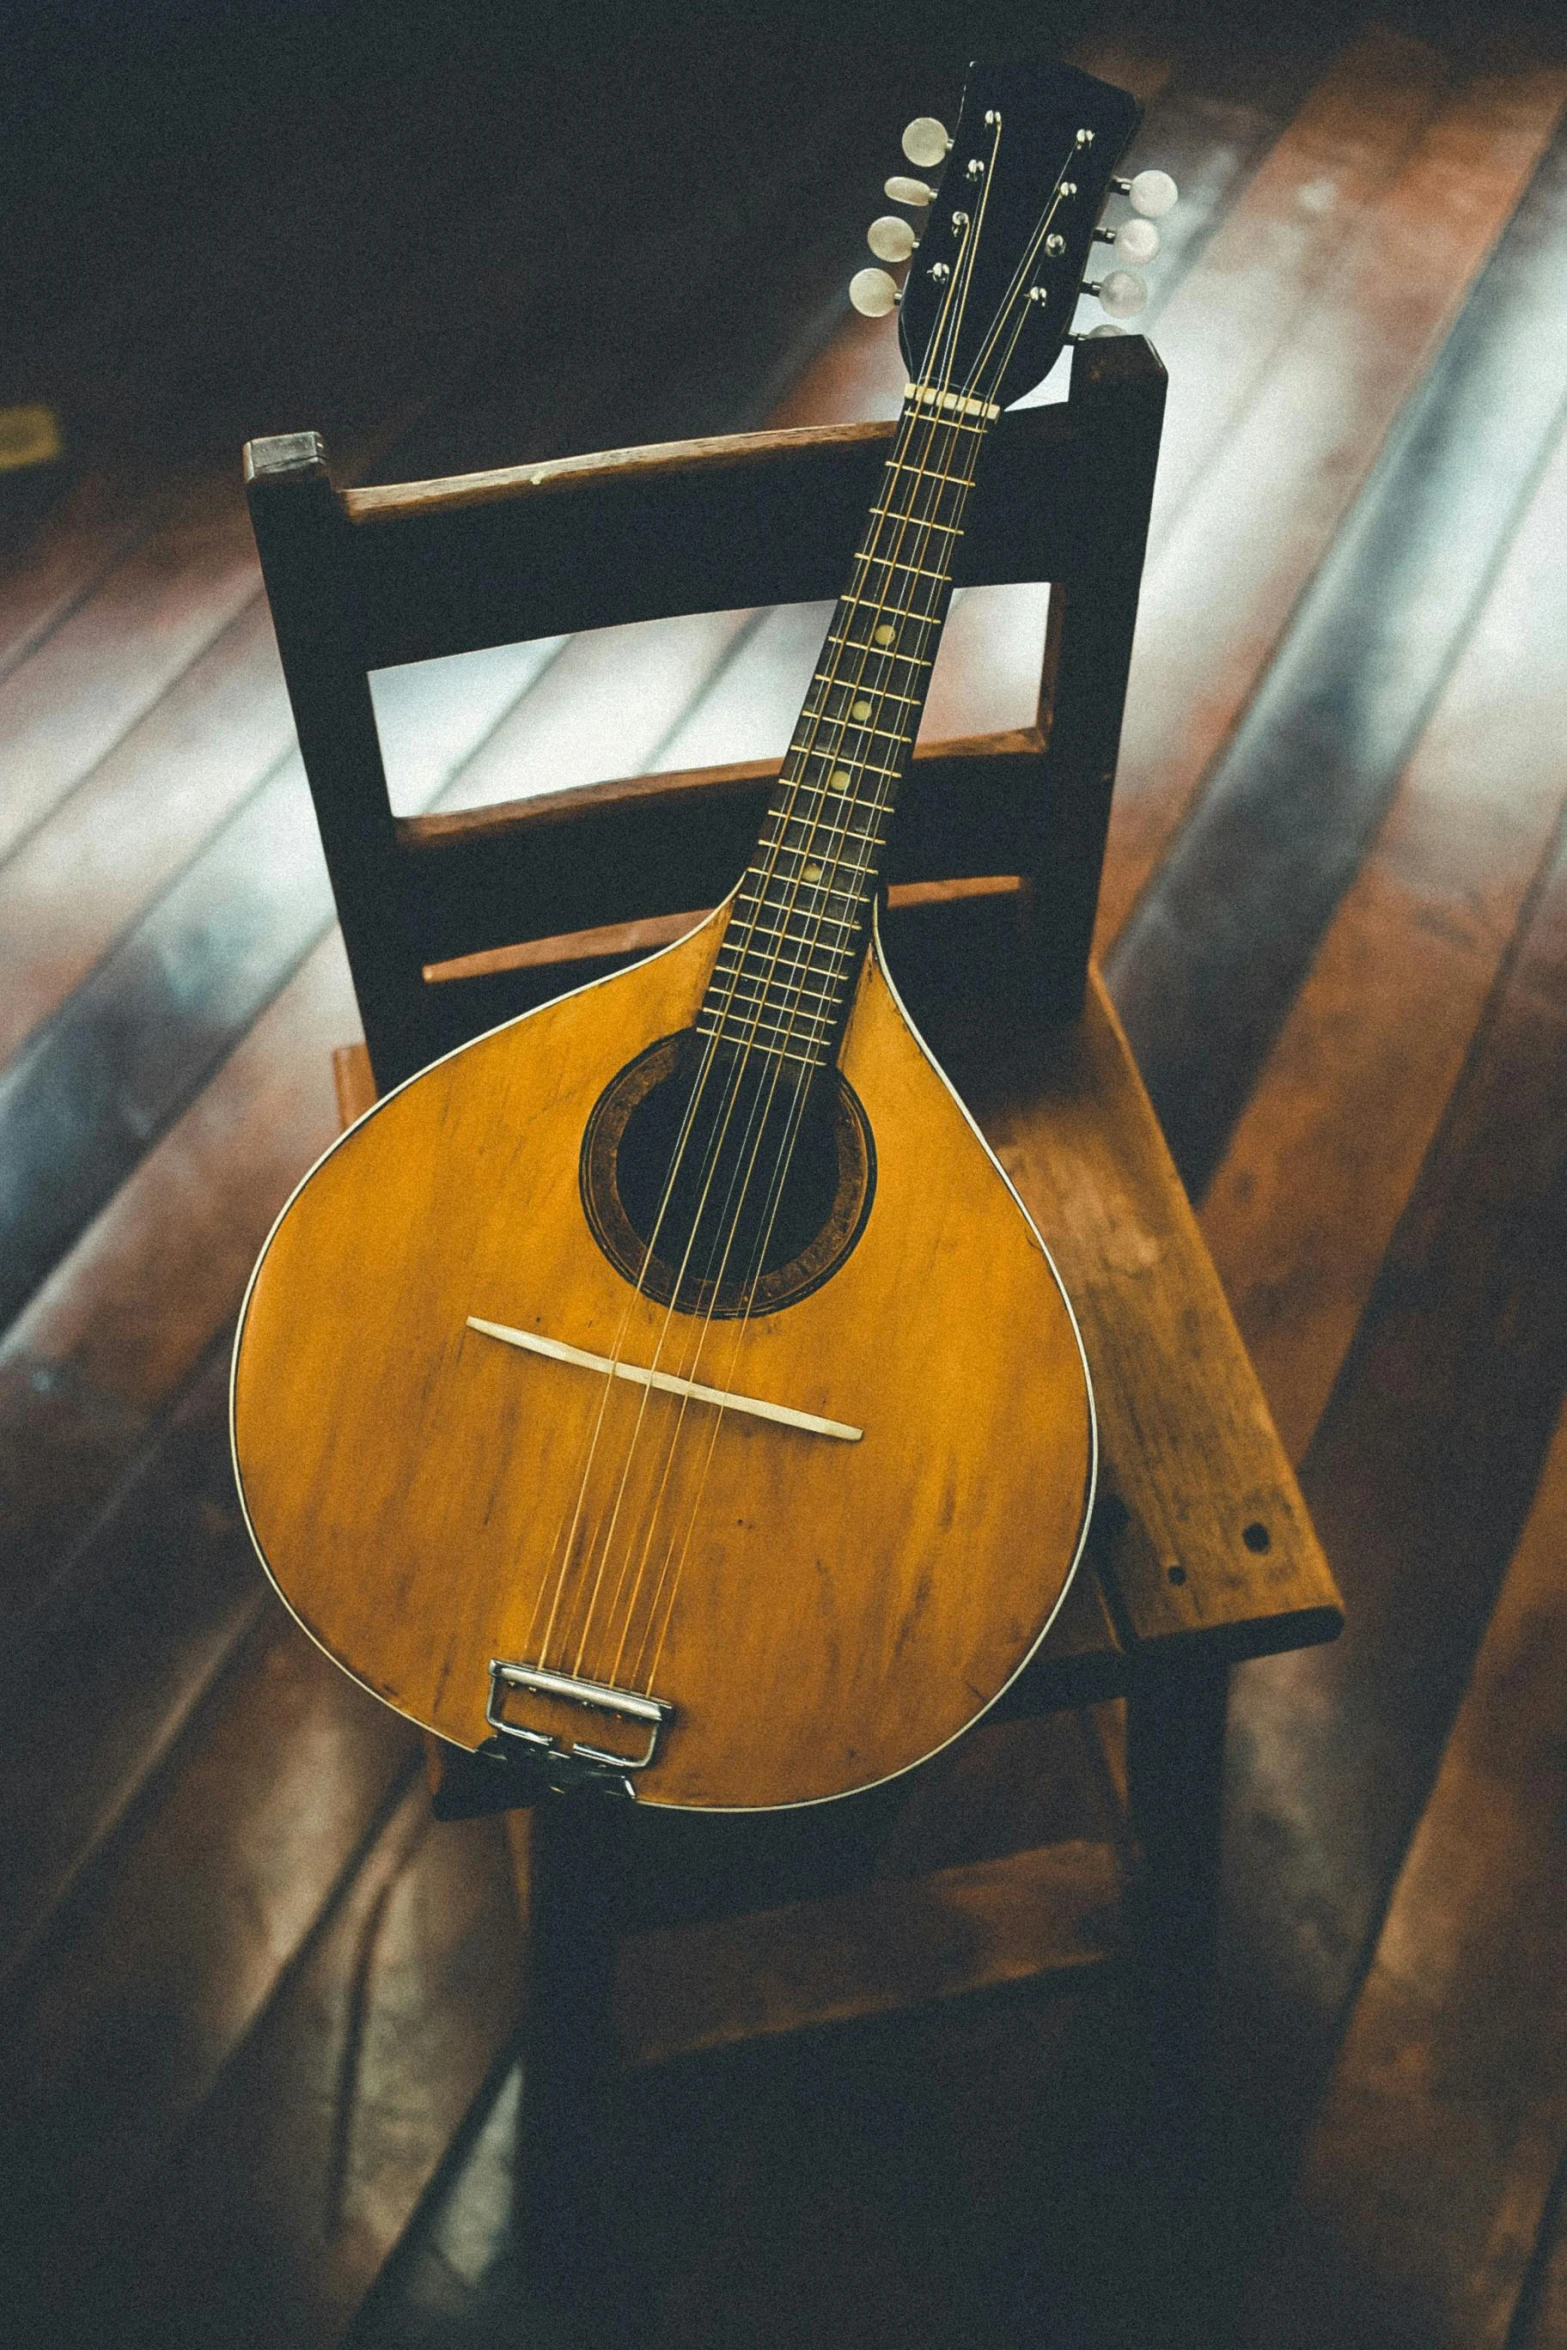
[{"x": 761, "y": 1200}]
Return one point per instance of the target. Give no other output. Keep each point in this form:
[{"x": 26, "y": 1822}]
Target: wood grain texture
[
  {"x": 1231, "y": 315},
  {"x": 1432, "y": 2160},
  {"x": 1184, "y": 1426},
  {"x": 103, "y": 665},
  {"x": 892, "y": 1947},
  {"x": 79, "y": 542},
  {"x": 1286, "y": 815},
  {"x": 1430, "y": 1449},
  {"x": 1309, "y": 1191},
  {"x": 130, "y": 2007},
  {"x": 1228, "y": 576},
  {"x": 116, "y": 1655},
  {"x": 933, "y": 1627},
  {"x": 299, "y": 2174}
]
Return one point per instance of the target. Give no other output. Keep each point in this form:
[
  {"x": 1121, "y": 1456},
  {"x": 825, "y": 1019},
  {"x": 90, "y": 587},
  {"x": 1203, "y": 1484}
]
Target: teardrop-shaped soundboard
[{"x": 813, "y": 1608}]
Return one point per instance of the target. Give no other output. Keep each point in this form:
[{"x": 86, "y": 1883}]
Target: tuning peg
[
  {"x": 873, "y": 293},
  {"x": 907, "y": 191},
  {"x": 1121, "y": 294},
  {"x": 926, "y": 142},
  {"x": 1136, "y": 241},
  {"x": 890, "y": 238},
  {"x": 1153, "y": 193}
]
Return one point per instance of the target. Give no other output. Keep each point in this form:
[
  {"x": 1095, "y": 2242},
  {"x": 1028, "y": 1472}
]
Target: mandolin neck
[{"x": 800, "y": 920}]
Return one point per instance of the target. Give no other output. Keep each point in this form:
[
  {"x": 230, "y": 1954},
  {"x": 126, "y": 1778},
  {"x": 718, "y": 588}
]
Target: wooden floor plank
[
  {"x": 1432, "y": 2160},
  {"x": 57, "y": 563},
  {"x": 1419, "y": 1478},
  {"x": 1318, "y": 1168},
  {"x": 301, "y": 2172},
  {"x": 135, "y": 1999},
  {"x": 1230, "y": 319},
  {"x": 1206, "y": 970},
  {"x": 123, "y": 1323},
  {"x": 1216, "y": 600},
  {"x": 106, "y": 663},
  {"x": 96, "y": 1690}
]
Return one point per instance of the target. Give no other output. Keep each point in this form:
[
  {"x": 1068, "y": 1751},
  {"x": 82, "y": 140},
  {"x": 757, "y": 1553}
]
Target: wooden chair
[{"x": 1201, "y": 1552}]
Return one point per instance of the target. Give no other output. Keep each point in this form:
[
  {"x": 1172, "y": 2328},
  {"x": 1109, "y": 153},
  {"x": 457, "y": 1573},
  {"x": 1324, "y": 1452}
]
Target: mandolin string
[
  {"x": 809, "y": 1026},
  {"x": 798, "y": 1023},
  {"x": 679, "y": 1547},
  {"x": 780, "y": 1177},
  {"x": 749, "y": 1152},
  {"x": 565, "y": 1535},
  {"x": 815, "y": 1021},
  {"x": 761, "y": 1107},
  {"x": 737, "y": 1074},
  {"x": 802, "y": 1026}
]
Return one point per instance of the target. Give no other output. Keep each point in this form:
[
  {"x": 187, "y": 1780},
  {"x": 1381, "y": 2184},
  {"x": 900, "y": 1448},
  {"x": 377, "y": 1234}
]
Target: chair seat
[{"x": 1200, "y": 1547}]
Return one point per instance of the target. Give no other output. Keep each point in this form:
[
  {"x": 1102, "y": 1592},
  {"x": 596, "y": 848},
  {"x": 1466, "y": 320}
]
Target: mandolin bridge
[{"x": 572, "y": 1761}]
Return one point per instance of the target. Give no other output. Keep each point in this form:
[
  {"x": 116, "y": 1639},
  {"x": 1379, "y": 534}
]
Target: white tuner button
[
  {"x": 1121, "y": 294},
  {"x": 907, "y": 191},
  {"x": 1153, "y": 193},
  {"x": 873, "y": 293},
  {"x": 925, "y": 142},
  {"x": 1136, "y": 241},
  {"x": 890, "y": 238}
]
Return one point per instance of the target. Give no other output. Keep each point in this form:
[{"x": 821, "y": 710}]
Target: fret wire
[
  {"x": 882, "y": 693},
  {"x": 896, "y": 563},
  {"x": 856, "y": 870},
  {"x": 832, "y": 998},
  {"x": 844, "y": 832},
  {"x": 963, "y": 481},
  {"x": 789, "y": 848},
  {"x": 841, "y": 953},
  {"x": 883, "y": 652},
  {"x": 951, "y": 530},
  {"x": 752, "y": 1022},
  {"x": 766, "y": 905},
  {"x": 815, "y": 1059},
  {"x": 763, "y": 944},
  {"x": 808, "y": 914}
]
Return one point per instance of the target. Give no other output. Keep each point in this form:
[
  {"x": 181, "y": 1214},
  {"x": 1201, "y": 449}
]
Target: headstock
[{"x": 997, "y": 267}]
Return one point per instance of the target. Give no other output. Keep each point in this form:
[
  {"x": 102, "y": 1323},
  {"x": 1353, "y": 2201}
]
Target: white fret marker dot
[
  {"x": 859, "y": 709},
  {"x": 839, "y": 779},
  {"x": 883, "y": 636},
  {"x": 812, "y": 872}
]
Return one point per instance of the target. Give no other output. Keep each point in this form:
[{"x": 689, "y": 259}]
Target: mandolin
[{"x": 668, "y": 1386}]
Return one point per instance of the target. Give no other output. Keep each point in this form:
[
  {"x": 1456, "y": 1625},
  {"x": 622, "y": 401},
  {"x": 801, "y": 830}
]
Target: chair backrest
[{"x": 361, "y": 580}]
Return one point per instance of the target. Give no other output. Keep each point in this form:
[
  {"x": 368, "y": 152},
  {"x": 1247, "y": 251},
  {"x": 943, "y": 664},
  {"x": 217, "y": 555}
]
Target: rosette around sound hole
[{"x": 748, "y": 1180}]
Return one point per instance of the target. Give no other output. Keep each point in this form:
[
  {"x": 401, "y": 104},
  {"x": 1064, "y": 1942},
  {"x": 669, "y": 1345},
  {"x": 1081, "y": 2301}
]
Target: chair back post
[
  {"x": 1117, "y": 400},
  {"x": 303, "y": 538}
]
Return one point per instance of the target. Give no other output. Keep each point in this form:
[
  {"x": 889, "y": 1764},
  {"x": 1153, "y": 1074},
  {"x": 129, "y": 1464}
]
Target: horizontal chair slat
[
  {"x": 652, "y": 845},
  {"x": 695, "y": 526}
]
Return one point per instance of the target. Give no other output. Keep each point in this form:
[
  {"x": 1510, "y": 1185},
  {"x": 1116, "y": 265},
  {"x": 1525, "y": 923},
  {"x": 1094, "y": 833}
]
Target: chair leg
[
  {"x": 1175, "y": 1772},
  {"x": 576, "y": 1898}
]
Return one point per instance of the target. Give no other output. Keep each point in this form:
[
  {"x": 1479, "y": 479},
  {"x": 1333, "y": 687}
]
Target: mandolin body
[{"x": 832, "y": 1611}]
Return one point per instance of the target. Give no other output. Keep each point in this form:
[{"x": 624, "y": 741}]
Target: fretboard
[{"x": 800, "y": 920}]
